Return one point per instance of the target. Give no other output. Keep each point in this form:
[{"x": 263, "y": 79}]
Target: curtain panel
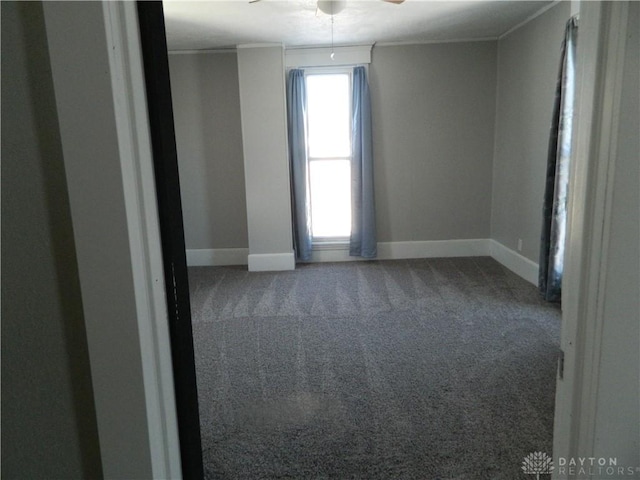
[
  {"x": 363, "y": 240},
  {"x": 300, "y": 192},
  {"x": 554, "y": 212}
]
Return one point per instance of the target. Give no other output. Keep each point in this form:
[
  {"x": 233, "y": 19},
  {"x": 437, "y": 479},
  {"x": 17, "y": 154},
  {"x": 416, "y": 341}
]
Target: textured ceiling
[{"x": 219, "y": 24}]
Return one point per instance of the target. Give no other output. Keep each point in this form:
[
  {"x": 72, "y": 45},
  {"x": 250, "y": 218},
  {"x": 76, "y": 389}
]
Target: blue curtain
[
  {"x": 297, "y": 111},
  {"x": 554, "y": 220},
  {"x": 363, "y": 240}
]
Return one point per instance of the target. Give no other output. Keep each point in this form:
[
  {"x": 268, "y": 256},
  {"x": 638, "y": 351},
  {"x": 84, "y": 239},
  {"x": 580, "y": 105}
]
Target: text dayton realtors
[{"x": 593, "y": 466}]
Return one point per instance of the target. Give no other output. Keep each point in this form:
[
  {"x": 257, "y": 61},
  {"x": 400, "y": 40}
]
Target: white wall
[
  {"x": 528, "y": 63},
  {"x": 433, "y": 119},
  {"x": 48, "y": 417},
  {"x": 617, "y": 432},
  {"x": 206, "y": 108}
]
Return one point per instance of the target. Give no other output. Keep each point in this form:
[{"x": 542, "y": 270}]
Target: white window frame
[{"x": 319, "y": 243}]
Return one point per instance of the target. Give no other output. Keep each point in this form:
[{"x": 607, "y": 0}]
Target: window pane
[
  {"x": 328, "y": 114},
  {"x": 330, "y": 198}
]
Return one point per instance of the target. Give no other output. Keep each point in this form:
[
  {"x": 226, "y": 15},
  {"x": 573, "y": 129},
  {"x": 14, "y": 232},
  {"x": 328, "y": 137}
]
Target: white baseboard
[
  {"x": 480, "y": 247},
  {"x": 515, "y": 262},
  {"x": 477, "y": 247},
  {"x": 402, "y": 250},
  {"x": 337, "y": 254},
  {"x": 271, "y": 262},
  {"x": 217, "y": 257},
  {"x": 209, "y": 257}
]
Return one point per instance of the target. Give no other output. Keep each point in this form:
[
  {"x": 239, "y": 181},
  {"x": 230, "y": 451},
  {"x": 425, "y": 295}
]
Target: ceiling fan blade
[{"x": 397, "y": 2}]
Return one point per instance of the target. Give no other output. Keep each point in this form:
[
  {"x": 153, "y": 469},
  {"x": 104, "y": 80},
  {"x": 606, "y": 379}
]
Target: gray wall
[
  {"x": 433, "y": 120},
  {"x": 206, "y": 107},
  {"x": 433, "y": 126},
  {"x": 48, "y": 417},
  {"x": 460, "y": 139},
  {"x": 618, "y": 417},
  {"x": 528, "y": 61}
]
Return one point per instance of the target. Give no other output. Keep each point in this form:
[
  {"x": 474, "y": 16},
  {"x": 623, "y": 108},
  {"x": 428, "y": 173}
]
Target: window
[
  {"x": 329, "y": 149},
  {"x": 332, "y": 180}
]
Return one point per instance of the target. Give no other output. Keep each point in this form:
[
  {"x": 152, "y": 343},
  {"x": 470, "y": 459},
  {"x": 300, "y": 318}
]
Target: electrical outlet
[{"x": 519, "y": 244}]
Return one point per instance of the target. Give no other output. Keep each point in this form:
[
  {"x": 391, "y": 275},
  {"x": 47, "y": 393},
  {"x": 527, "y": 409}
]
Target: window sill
[{"x": 331, "y": 245}]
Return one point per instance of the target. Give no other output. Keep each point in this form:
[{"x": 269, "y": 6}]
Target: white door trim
[
  {"x": 127, "y": 73},
  {"x": 600, "y": 58},
  {"x": 98, "y": 78}
]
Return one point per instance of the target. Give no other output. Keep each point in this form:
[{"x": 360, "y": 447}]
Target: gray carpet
[{"x": 416, "y": 369}]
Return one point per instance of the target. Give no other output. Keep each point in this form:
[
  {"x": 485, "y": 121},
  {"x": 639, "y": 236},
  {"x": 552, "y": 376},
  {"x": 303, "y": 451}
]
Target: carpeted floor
[{"x": 409, "y": 369}]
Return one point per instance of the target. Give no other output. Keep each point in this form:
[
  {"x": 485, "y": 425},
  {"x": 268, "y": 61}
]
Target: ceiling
[{"x": 202, "y": 25}]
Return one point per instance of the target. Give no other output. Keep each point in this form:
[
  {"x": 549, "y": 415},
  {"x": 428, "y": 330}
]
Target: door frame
[
  {"x": 153, "y": 43},
  {"x": 130, "y": 292},
  {"x": 600, "y": 59}
]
